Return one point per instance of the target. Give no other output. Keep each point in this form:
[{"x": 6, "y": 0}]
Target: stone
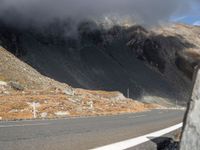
[
  {"x": 166, "y": 143},
  {"x": 2, "y": 83},
  {"x": 34, "y": 104},
  {"x": 16, "y": 86},
  {"x": 118, "y": 97},
  {"x": 191, "y": 130},
  {"x": 62, "y": 113},
  {"x": 14, "y": 111},
  {"x": 44, "y": 115},
  {"x": 69, "y": 91},
  {"x": 6, "y": 92},
  {"x": 90, "y": 105},
  {"x": 3, "y": 86}
]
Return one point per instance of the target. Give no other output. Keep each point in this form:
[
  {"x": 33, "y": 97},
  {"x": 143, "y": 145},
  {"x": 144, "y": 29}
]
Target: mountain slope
[
  {"x": 12, "y": 69},
  {"x": 151, "y": 64},
  {"x": 21, "y": 86}
]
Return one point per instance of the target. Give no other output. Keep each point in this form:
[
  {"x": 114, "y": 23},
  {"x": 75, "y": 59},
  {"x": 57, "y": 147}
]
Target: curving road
[{"x": 83, "y": 133}]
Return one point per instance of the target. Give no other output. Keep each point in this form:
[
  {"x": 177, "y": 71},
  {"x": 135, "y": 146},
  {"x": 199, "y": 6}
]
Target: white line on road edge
[
  {"x": 22, "y": 125},
  {"x": 139, "y": 140}
]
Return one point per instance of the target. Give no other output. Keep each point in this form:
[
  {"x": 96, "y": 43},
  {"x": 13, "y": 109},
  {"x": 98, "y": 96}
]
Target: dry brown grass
[
  {"x": 2, "y": 78},
  {"x": 16, "y": 105}
]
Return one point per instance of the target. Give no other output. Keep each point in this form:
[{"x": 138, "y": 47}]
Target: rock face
[
  {"x": 147, "y": 62},
  {"x": 191, "y": 133}
]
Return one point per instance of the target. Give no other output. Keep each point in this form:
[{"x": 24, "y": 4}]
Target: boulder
[
  {"x": 2, "y": 83},
  {"x": 44, "y": 115},
  {"x": 62, "y": 113},
  {"x": 16, "y": 86},
  {"x": 3, "y": 86},
  {"x": 69, "y": 91},
  {"x": 118, "y": 97},
  {"x": 191, "y": 130}
]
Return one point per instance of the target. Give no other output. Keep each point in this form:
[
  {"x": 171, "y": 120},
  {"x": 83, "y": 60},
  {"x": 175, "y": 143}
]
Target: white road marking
[
  {"x": 22, "y": 125},
  {"x": 139, "y": 140}
]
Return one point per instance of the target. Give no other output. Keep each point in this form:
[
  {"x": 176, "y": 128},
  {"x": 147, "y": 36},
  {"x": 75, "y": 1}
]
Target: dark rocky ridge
[{"x": 146, "y": 62}]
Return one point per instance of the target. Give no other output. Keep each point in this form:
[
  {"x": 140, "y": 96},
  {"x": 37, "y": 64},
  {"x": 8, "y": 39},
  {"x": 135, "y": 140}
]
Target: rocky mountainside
[
  {"x": 21, "y": 87},
  {"x": 14, "y": 70},
  {"x": 153, "y": 65},
  {"x": 173, "y": 50}
]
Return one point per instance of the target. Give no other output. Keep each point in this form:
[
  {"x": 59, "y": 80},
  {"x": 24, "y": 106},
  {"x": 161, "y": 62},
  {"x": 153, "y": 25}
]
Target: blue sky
[
  {"x": 192, "y": 17},
  {"x": 188, "y": 19}
]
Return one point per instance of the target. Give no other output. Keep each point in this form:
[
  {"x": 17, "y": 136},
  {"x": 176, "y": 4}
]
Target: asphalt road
[{"x": 83, "y": 133}]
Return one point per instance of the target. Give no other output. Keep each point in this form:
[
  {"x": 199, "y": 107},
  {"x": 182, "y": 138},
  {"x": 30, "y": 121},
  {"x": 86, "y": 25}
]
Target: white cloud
[
  {"x": 178, "y": 18},
  {"x": 148, "y": 11},
  {"x": 197, "y": 23}
]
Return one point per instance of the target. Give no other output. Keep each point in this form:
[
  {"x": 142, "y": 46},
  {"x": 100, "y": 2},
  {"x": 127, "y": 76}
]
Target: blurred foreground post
[{"x": 191, "y": 129}]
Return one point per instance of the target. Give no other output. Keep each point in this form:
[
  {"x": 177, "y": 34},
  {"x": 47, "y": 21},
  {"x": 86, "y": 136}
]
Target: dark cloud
[{"x": 142, "y": 11}]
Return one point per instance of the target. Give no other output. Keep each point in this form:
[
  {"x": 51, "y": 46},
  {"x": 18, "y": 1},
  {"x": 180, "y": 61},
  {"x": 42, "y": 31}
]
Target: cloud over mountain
[{"x": 142, "y": 11}]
